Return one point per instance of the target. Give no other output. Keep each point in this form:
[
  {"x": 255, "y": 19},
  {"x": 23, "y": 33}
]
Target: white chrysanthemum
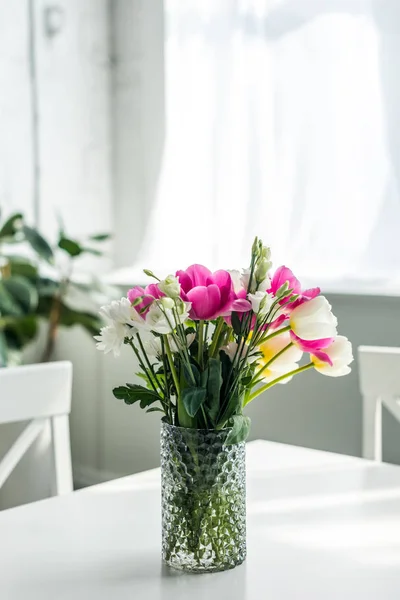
[
  {"x": 112, "y": 337},
  {"x": 122, "y": 311}
]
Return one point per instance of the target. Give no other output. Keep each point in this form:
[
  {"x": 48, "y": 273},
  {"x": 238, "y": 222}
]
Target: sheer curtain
[{"x": 282, "y": 121}]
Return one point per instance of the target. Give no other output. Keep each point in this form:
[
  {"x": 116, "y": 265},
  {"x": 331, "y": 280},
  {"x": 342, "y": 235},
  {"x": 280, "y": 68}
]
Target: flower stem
[
  {"x": 200, "y": 332},
  {"x": 216, "y": 335},
  {"x": 277, "y": 380},
  {"x": 171, "y": 364},
  {"x": 272, "y": 335}
]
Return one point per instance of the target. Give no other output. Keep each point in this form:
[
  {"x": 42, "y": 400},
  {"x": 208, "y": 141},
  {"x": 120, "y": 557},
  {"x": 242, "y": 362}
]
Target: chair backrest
[
  {"x": 379, "y": 374},
  {"x": 41, "y": 394}
]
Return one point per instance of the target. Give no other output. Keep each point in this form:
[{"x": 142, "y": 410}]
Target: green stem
[
  {"x": 277, "y": 380},
  {"x": 272, "y": 335},
  {"x": 171, "y": 365},
  {"x": 149, "y": 365},
  {"x": 217, "y": 332},
  {"x": 255, "y": 379},
  {"x": 200, "y": 332}
]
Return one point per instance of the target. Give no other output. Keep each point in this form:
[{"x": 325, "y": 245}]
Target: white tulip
[
  {"x": 341, "y": 355},
  {"x": 313, "y": 320},
  {"x": 112, "y": 337},
  {"x": 284, "y": 363},
  {"x": 261, "y": 302}
]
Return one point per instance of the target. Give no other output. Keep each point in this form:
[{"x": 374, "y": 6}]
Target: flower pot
[{"x": 203, "y": 499}]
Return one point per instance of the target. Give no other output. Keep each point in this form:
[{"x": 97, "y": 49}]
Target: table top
[{"x": 320, "y": 525}]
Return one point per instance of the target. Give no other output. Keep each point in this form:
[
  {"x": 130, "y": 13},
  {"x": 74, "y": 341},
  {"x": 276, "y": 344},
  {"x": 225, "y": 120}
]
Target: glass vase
[{"x": 203, "y": 499}]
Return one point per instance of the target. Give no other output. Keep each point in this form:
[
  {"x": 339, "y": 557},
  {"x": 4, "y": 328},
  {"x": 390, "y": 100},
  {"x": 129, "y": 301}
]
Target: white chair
[
  {"x": 380, "y": 385},
  {"x": 39, "y": 393}
]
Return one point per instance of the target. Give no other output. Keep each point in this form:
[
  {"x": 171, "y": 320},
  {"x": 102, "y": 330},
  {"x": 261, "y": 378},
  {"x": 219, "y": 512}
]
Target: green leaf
[
  {"x": 236, "y": 323},
  {"x": 47, "y": 287},
  {"x": 188, "y": 375},
  {"x": 193, "y": 398},
  {"x": 8, "y": 306},
  {"x": 93, "y": 251},
  {"x": 38, "y": 243},
  {"x": 3, "y": 350},
  {"x": 70, "y": 246},
  {"x": 11, "y": 226},
  {"x": 21, "y": 266},
  {"x": 154, "y": 409},
  {"x": 132, "y": 393},
  {"x": 22, "y": 329},
  {"x": 214, "y": 384},
  {"x": 230, "y": 408},
  {"x": 100, "y": 237},
  {"x": 240, "y": 429},
  {"x": 22, "y": 291}
]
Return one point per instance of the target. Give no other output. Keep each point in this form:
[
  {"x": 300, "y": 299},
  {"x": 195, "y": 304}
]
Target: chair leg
[
  {"x": 372, "y": 428},
  {"x": 62, "y": 454}
]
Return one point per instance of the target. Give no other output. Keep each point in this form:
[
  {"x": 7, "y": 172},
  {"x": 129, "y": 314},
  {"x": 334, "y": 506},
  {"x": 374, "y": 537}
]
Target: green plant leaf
[
  {"x": 8, "y": 306},
  {"x": 193, "y": 398},
  {"x": 23, "y": 292},
  {"x": 3, "y": 350},
  {"x": 132, "y": 393},
  {"x": 154, "y": 409},
  {"x": 21, "y": 330},
  {"x": 21, "y": 266},
  {"x": 214, "y": 383},
  {"x": 11, "y": 226},
  {"x": 188, "y": 377},
  {"x": 100, "y": 237},
  {"x": 240, "y": 429},
  {"x": 93, "y": 251},
  {"x": 236, "y": 323},
  {"x": 38, "y": 243},
  {"x": 47, "y": 287},
  {"x": 70, "y": 246}
]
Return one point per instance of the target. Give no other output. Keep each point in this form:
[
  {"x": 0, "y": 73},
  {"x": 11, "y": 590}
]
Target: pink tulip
[
  {"x": 211, "y": 294},
  {"x": 148, "y": 295},
  {"x": 314, "y": 347},
  {"x": 283, "y": 275}
]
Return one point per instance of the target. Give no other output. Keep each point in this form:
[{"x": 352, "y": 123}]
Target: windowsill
[{"x": 131, "y": 276}]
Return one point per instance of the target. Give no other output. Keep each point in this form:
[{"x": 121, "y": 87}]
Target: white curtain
[{"x": 281, "y": 122}]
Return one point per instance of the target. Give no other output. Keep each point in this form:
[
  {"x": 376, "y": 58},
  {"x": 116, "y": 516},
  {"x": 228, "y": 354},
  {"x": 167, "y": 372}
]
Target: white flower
[
  {"x": 284, "y": 363},
  {"x": 313, "y": 320},
  {"x": 112, "y": 337},
  {"x": 341, "y": 355},
  {"x": 153, "y": 346},
  {"x": 122, "y": 311},
  {"x": 245, "y": 278},
  {"x": 175, "y": 347},
  {"x": 159, "y": 319},
  {"x": 167, "y": 303},
  {"x": 231, "y": 350},
  {"x": 170, "y": 286},
  {"x": 261, "y": 302}
]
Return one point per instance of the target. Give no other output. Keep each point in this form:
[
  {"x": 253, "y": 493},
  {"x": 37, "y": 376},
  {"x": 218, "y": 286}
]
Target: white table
[{"x": 321, "y": 526}]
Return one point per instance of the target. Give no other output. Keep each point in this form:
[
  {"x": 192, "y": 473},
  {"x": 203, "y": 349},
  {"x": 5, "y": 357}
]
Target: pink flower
[
  {"x": 283, "y": 275},
  {"x": 211, "y": 294},
  {"x": 314, "y": 347},
  {"x": 148, "y": 295}
]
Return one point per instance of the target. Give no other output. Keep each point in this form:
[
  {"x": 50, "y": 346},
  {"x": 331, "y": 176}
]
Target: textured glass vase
[{"x": 203, "y": 499}]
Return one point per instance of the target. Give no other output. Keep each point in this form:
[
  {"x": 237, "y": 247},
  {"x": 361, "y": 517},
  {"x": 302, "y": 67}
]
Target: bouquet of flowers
[{"x": 208, "y": 343}]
